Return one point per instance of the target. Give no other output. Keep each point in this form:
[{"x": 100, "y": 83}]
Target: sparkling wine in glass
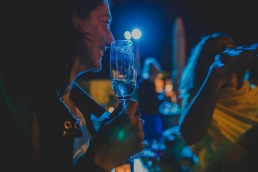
[
  {"x": 123, "y": 73},
  {"x": 123, "y": 76}
]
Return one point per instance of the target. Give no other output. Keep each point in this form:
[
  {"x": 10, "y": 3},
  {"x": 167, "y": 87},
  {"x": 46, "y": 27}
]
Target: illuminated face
[{"x": 97, "y": 35}]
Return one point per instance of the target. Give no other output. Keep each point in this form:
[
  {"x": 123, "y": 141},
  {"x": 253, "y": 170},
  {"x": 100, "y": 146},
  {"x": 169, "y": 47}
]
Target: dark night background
[{"x": 156, "y": 19}]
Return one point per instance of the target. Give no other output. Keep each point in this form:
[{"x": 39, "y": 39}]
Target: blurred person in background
[
  {"x": 219, "y": 105},
  {"x": 148, "y": 97}
]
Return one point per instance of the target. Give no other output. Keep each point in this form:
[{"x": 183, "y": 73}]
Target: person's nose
[{"x": 110, "y": 37}]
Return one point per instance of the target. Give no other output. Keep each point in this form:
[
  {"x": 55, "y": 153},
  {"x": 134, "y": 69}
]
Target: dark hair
[
  {"x": 201, "y": 58},
  {"x": 69, "y": 35},
  {"x": 147, "y": 64},
  {"x": 39, "y": 44}
]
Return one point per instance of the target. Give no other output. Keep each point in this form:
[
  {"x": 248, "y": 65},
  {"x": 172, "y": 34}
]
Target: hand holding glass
[{"x": 123, "y": 75}]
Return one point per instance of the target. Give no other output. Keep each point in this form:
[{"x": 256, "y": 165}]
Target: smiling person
[{"x": 48, "y": 111}]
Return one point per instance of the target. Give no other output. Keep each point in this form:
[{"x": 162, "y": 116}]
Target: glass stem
[{"x": 124, "y": 103}]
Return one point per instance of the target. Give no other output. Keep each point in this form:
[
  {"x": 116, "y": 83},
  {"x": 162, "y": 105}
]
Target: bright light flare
[
  {"x": 127, "y": 35},
  {"x": 136, "y": 34}
]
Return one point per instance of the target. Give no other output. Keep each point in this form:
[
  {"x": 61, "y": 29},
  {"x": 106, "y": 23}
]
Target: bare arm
[{"x": 196, "y": 119}]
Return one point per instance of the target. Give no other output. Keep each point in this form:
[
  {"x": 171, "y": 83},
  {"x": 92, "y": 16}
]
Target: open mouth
[{"x": 101, "y": 51}]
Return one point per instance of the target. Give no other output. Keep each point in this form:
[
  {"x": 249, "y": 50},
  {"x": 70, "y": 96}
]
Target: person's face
[
  {"x": 97, "y": 36},
  {"x": 154, "y": 71}
]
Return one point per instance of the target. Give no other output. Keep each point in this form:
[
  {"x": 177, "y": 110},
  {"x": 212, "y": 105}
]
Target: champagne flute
[
  {"x": 123, "y": 73},
  {"x": 123, "y": 76}
]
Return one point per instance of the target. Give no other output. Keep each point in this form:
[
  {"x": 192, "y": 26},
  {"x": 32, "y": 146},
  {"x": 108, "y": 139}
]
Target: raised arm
[{"x": 196, "y": 119}]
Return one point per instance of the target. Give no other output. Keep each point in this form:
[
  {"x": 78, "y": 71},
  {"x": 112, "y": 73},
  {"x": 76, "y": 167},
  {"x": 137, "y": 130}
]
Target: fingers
[
  {"x": 250, "y": 50},
  {"x": 137, "y": 122},
  {"x": 247, "y": 50},
  {"x": 139, "y": 147},
  {"x": 132, "y": 106},
  {"x": 250, "y": 47},
  {"x": 113, "y": 115},
  {"x": 132, "y": 112},
  {"x": 236, "y": 60},
  {"x": 130, "y": 121},
  {"x": 141, "y": 135},
  {"x": 138, "y": 138}
]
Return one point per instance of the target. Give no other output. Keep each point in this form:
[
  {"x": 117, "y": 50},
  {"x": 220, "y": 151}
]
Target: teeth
[{"x": 101, "y": 52}]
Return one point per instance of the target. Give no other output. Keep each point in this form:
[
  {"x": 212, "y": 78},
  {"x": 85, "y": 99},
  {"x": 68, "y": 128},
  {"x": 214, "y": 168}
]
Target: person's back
[{"x": 148, "y": 97}]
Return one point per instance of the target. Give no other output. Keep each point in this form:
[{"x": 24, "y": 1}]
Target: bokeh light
[
  {"x": 127, "y": 35},
  {"x": 136, "y": 33}
]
